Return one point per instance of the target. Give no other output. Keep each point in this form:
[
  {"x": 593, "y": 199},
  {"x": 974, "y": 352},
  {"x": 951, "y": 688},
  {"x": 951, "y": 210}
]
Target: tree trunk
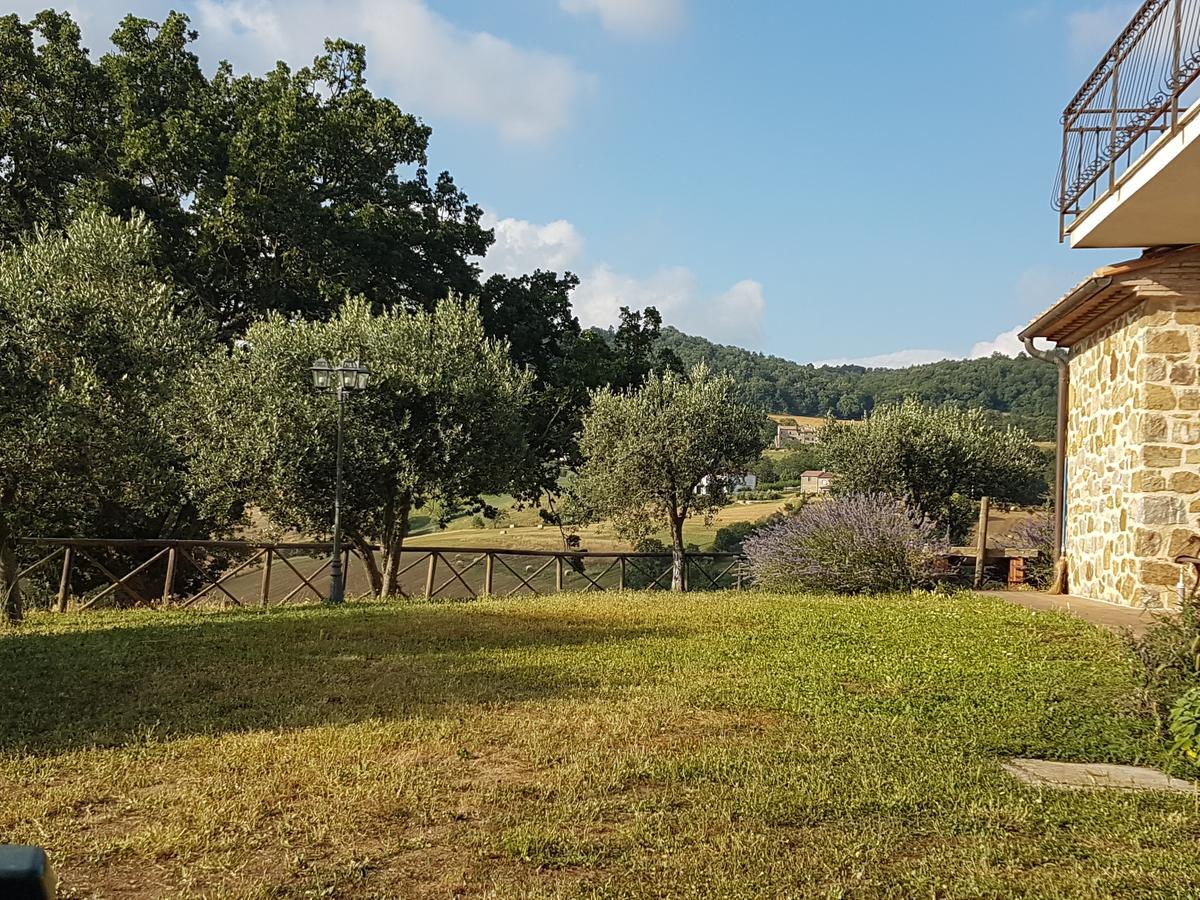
[
  {"x": 10, "y": 585},
  {"x": 392, "y": 550},
  {"x": 372, "y": 564},
  {"x": 678, "y": 560}
]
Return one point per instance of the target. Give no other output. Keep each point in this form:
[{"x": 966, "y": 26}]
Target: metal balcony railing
[{"x": 1137, "y": 94}]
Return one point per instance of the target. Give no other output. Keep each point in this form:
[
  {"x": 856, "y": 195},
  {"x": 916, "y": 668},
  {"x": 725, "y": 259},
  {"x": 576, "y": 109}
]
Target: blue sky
[{"x": 820, "y": 181}]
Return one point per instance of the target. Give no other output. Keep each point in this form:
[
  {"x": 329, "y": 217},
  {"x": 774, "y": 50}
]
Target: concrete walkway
[{"x": 1108, "y": 615}]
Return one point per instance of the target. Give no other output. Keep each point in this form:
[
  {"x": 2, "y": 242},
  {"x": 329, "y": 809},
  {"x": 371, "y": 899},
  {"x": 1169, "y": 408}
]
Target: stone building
[
  {"x": 1132, "y": 450},
  {"x": 1127, "y": 486}
]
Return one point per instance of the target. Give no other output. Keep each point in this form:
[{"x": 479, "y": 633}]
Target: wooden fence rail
[{"x": 84, "y": 571}]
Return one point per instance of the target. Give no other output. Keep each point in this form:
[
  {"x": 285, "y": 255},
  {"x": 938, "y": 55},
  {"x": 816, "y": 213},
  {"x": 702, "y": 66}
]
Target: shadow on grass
[{"x": 210, "y": 674}]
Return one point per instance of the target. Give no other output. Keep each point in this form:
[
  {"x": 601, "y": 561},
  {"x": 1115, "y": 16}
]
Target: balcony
[{"x": 1130, "y": 169}]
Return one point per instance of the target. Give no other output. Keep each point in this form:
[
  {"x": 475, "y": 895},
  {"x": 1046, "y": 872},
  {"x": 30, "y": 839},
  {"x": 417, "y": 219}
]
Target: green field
[
  {"x": 519, "y": 528},
  {"x": 617, "y": 745}
]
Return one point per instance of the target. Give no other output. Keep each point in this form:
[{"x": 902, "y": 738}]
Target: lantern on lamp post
[{"x": 341, "y": 380}]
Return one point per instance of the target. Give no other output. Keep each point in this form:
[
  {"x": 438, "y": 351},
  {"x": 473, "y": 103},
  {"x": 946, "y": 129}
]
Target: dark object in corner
[{"x": 25, "y": 873}]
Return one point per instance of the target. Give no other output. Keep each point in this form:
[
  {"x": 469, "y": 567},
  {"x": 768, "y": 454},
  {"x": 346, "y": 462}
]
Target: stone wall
[{"x": 1133, "y": 444}]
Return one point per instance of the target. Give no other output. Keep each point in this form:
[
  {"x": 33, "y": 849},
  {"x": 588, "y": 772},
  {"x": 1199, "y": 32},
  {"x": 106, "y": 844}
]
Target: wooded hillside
[{"x": 1022, "y": 388}]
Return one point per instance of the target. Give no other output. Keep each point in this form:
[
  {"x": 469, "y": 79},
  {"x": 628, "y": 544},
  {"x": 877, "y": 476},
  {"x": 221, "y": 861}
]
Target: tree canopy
[
  {"x": 91, "y": 355},
  {"x": 668, "y": 449},
  {"x": 935, "y": 458},
  {"x": 440, "y": 423},
  {"x": 284, "y": 192}
]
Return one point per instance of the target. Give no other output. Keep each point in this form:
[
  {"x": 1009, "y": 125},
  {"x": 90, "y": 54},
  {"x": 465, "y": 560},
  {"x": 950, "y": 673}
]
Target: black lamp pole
[
  {"x": 337, "y": 586},
  {"x": 349, "y": 376}
]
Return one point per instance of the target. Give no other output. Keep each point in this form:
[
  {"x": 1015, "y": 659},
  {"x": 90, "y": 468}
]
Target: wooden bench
[{"x": 1016, "y": 556}]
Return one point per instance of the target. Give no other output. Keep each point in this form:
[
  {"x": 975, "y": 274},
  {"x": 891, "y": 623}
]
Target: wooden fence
[{"x": 83, "y": 572}]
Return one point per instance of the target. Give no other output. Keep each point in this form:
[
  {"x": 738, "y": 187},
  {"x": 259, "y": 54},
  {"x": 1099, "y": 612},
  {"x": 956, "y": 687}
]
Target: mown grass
[{"x": 733, "y": 745}]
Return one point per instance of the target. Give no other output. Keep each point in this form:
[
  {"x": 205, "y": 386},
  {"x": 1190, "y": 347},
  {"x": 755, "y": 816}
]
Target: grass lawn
[{"x": 729, "y": 745}]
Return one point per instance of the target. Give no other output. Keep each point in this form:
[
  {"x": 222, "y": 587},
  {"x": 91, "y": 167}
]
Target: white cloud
[
  {"x": 630, "y": 18},
  {"x": 1005, "y": 342},
  {"x": 522, "y": 246},
  {"x": 898, "y": 359},
  {"x": 414, "y": 55},
  {"x": 733, "y": 317},
  {"x": 1008, "y": 343},
  {"x": 1090, "y": 32},
  {"x": 97, "y": 19}
]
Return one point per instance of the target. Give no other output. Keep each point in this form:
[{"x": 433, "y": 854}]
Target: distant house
[
  {"x": 735, "y": 485},
  {"x": 795, "y": 434},
  {"x": 815, "y": 481},
  {"x": 793, "y": 430}
]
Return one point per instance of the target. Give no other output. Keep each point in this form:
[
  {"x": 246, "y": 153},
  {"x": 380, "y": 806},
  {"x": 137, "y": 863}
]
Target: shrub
[
  {"x": 1169, "y": 659},
  {"x": 1037, "y": 533},
  {"x": 940, "y": 460},
  {"x": 1185, "y": 726},
  {"x": 857, "y": 544},
  {"x": 730, "y": 538}
]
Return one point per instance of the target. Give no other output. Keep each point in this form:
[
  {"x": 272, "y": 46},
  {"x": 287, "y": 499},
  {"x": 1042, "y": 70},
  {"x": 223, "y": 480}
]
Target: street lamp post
[{"x": 351, "y": 375}]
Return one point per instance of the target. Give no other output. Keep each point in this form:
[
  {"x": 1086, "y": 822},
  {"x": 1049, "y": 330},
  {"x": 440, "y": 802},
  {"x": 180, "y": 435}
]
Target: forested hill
[{"x": 1022, "y": 388}]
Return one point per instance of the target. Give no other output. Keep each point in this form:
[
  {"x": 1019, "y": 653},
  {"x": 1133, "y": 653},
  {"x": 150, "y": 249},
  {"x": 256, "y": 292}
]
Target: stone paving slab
[{"x": 1081, "y": 776}]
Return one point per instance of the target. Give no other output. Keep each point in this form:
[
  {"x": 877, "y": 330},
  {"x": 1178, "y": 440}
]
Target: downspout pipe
[{"x": 1060, "y": 359}]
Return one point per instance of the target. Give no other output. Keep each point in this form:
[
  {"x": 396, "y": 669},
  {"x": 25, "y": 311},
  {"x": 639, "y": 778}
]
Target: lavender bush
[
  {"x": 856, "y": 544},
  {"x": 1037, "y": 532}
]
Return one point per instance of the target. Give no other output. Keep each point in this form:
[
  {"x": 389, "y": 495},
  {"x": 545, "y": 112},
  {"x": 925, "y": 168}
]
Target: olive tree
[
  {"x": 937, "y": 459},
  {"x": 655, "y": 455},
  {"x": 90, "y": 356},
  {"x": 440, "y": 422}
]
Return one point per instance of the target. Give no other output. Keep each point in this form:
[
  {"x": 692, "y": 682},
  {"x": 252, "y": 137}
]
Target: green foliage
[
  {"x": 285, "y": 193},
  {"x": 440, "y": 424},
  {"x": 647, "y": 452},
  {"x": 278, "y": 192},
  {"x": 730, "y": 537},
  {"x": 1018, "y": 391},
  {"x": 91, "y": 354},
  {"x": 937, "y": 459},
  {"x": 793, "y": 463},
  {"x": 1184, "y": 726},
  {"x": 1168, "y": 657},
  {"x": 567, "y": 363}
]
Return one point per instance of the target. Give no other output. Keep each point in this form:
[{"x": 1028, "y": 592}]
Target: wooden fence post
[
  {"x": 981, "y": 544},
  {"x": 64, "y": 582},
  {"x": 489, "y": 568},
  {"x": 621, "y": 576},
  {"x": 429, "y": 575},
  {"x": 264, "y": 587},
  {"x": 558, "y": 572},
  {"x": 169, "y": 581}
]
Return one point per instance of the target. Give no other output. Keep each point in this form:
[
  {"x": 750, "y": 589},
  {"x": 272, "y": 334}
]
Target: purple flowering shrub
[
  {"x": 855, "y": 544},
  {"x": 1036, "y": 532}
]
